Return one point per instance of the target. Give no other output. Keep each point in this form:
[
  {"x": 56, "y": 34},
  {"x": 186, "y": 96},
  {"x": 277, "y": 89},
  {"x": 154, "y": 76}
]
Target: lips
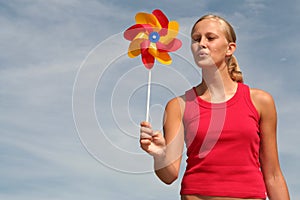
[{"x": 203, "y": 53}]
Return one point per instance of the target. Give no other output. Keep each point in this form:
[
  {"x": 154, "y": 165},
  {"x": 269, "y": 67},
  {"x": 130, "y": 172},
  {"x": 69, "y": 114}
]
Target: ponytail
[{"x": 234, "y": 70}]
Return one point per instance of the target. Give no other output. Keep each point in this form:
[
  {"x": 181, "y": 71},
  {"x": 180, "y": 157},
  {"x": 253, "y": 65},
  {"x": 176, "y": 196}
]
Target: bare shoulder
[
  {"x": 173, "y": 116},
  {"x": 261, "y": 96},
  {"x": 176, "y": 105},
  {"x": 261, "y": 99}
]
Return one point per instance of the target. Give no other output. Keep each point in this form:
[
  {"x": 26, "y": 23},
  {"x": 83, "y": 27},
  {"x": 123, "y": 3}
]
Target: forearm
[
  {"x": 165, "y": 170},
  {"x": 277, "y": 188}
]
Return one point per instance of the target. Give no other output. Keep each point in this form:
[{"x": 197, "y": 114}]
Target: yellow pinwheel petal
[
  {"x": 141, "y": 35},
  {"x": 152, "y": 37},
  {"x": 146, "y": 18},
  {"x": 134, "y": 48},
  {"x": 153, "y": 49},
  {"x": 164, "y": 58},
  {"x": 172, "y": 32}
]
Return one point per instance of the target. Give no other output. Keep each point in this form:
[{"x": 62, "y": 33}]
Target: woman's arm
[
  {"x": 166, "y": 149},
  {"x": 274, "y": 180}
]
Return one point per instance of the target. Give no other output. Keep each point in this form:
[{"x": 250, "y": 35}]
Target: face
[{"x": 209, "y": 44}]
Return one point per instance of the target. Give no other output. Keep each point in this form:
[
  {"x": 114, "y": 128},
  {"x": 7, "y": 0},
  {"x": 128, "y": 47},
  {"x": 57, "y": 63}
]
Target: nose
[{"x": 202, "y": 42}]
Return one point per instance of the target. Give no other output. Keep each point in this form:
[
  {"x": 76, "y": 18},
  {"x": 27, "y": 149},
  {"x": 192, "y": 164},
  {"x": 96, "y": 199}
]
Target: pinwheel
[{"x": 153, "y": 37}]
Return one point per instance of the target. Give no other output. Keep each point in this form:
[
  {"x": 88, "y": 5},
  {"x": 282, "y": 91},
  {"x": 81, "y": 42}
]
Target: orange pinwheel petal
[
  {"x": 152, "y": 37},
  {"x": 164, "y": 58},
  {"x": 145, "y": 18}
]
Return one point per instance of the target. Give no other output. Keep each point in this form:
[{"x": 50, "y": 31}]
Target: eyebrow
[
  {"x": 194, "y": 34},
  {"x": 205, "y": 33}
]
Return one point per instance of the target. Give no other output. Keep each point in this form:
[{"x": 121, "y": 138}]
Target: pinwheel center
[{"x": 154, "y": 37}]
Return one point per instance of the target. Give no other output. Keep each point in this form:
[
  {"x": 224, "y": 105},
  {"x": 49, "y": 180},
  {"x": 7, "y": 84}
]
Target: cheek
[
  {"x": 194, "y": 47},
  {"x": 219, "y": 50},
  {"x": 223, "y": 48}
]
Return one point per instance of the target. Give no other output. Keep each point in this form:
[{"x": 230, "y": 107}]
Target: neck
[{"x": 216, "y": 84}]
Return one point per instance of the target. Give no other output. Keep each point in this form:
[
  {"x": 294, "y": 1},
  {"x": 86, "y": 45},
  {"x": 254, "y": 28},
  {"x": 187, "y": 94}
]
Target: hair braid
[{"x": 234, "y": 70}]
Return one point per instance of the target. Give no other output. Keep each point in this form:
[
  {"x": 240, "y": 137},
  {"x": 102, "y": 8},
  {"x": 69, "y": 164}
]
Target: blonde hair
[{"x": 233, "y": 66}]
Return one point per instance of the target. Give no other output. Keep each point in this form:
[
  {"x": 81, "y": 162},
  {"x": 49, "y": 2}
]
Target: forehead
[{"x": 208, "y": 25}]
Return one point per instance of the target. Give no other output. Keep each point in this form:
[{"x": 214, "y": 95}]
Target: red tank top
[{"x": 222, "y": 141}]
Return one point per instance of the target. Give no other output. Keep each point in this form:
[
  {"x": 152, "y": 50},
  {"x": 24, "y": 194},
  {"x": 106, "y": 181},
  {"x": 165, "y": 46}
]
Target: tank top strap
[
  {"x": 248, "y": 100},
  {"x": 190, "y": 95},
  {"x": 191, "y": 103}
]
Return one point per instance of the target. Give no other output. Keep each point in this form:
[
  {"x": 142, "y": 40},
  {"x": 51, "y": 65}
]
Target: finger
[
  {"x": 145, "y": 142},
  {"x": 146, "y": 124},
  {"x": 157, "y": 134},
  {"x": 145, "y": 135},
  {"x": 146, "y": 130}
]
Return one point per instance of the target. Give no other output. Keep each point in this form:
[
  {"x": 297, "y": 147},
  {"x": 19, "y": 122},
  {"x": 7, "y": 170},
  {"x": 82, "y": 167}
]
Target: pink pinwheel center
[{"x": 154, "y": 37}]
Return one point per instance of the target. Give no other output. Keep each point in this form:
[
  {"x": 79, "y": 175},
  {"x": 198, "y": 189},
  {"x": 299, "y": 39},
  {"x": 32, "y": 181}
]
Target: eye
[
  {"x": 196, "y": 39},
  {"x": 211, "y": 38}
]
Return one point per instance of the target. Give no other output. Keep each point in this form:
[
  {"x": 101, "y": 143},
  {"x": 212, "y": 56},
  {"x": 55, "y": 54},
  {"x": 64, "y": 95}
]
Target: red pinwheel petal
[
  {"x": 147, "y": 59},
  {"x": 143, "y": 40},
  {"x": 174, "y": 45},
  {"x": 163, "y": 20},
  {"x": 134, "y": 30}
]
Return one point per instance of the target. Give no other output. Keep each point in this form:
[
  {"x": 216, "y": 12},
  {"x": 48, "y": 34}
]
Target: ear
[{"x": 230, "y": 49}]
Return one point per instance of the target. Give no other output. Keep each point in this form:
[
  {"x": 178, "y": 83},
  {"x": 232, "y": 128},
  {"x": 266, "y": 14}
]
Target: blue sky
[{"x": 71, "y": 100}]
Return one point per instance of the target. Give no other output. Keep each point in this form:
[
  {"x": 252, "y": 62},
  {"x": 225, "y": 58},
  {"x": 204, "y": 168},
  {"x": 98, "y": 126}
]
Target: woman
[{"x": 229, "y": 129}]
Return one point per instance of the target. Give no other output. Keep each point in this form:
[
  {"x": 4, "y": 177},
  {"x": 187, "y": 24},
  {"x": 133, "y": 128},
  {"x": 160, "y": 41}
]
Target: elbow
[
  {"x": 169, "y": 182},
  {"x": 169, "y": 179},
  {"x": 168, "y": 174}
]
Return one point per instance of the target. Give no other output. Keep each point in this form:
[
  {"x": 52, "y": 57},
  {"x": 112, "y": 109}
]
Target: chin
[{"x": 205, "y": 64}]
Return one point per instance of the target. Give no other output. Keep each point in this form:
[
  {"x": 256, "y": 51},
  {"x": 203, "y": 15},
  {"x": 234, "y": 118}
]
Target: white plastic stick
[{"x": 148, "y": 96}]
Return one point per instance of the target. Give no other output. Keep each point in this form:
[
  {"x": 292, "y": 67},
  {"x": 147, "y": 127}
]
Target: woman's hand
[
  {"x": 166, "y": 148},
  {"x": 153, "y": 142}
]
